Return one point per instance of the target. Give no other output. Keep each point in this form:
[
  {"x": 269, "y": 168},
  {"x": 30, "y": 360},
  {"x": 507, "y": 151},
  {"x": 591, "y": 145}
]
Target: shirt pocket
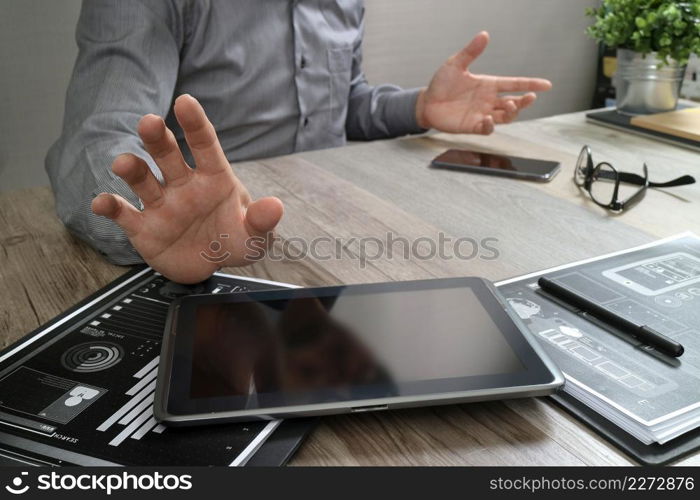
[{"x": 339, "y": 76}]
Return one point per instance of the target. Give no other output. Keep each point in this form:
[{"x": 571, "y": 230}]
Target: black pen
[{"x": 642, "y": 333}]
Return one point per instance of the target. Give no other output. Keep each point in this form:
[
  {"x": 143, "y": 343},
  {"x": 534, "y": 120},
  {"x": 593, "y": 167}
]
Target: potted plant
[{"x": 654, "y": 39}]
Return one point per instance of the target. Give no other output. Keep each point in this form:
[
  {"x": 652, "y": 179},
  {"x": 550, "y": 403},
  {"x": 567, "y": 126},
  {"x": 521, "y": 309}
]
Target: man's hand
[
  {"x": 459, "y": 101},
  {"x": 199, "y": 219}
]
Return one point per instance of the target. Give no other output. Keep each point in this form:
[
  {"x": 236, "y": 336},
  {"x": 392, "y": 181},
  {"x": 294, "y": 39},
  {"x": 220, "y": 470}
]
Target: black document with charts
[
  {"x": 79, "y": 390},
  {"x": 652, "y": 397}
]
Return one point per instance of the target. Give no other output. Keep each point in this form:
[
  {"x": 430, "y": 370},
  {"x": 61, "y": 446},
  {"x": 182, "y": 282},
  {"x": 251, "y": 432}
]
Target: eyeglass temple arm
[
  {"x": 639, "y": 180},
  {"x": 636, "y": 197}
]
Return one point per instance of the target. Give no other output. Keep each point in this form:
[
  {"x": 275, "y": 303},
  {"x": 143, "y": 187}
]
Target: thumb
[
  {"x": 473, "y": 50},
  {"x": 263, "y": 215}
]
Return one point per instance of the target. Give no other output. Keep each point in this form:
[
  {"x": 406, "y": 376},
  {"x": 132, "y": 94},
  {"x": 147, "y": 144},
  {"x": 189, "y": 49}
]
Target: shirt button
[
  {"x": 306, "y": 121},
  {"x": 302, "y": 63}
]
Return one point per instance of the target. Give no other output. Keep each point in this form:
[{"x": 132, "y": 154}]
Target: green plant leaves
[{"x": 670, "y": 28}]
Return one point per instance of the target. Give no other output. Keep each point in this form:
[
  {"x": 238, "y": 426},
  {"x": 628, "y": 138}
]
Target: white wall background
[
  {"x": 406, "y": 41},
  {"x": 37, "y": 51}
]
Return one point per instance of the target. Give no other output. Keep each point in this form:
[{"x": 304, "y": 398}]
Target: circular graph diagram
[{"x": 92, "y": 356}]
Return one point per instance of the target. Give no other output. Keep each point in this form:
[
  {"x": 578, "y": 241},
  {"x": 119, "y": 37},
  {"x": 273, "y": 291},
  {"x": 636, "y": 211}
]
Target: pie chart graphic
[{"x": 92, "y": 357}]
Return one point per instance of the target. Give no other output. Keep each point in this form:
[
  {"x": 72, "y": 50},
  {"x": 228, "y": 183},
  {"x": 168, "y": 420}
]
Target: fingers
[
  {"x": 520, "y": 101},
  {"x": 500, "y": 116},
  {"x": 119, "y": 210},
  {"x": 485, "y": 126},
  {"x": 521, "y": 84},
  {"x": 506, "y": 112},
  {"x": 263, "y": 215},
  {"x": 161, "y": 145},
  {"x": 526, "y": 100},
  {"x": 139, "y": 177},
  {"x": 473, "y": 50},
  {"x": 200, "y": 136},
  {"x": 511, "y": 109},
  {"x": 508, "y": 107}
]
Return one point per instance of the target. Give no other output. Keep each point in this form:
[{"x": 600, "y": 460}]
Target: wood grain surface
[
  {"x": 373, "y": 193},
  {"x": 681, "y": 123}
]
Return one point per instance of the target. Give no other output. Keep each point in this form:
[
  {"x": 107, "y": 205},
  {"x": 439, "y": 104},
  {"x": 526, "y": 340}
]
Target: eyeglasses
[{"x": 602, "y": 181}]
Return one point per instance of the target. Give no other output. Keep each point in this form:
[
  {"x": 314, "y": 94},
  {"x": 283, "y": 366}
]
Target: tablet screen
[{"x": 301, "y": 347}]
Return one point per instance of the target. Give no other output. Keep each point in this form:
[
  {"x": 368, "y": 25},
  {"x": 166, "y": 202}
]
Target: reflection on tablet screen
[{"x": 344, "y": 341}]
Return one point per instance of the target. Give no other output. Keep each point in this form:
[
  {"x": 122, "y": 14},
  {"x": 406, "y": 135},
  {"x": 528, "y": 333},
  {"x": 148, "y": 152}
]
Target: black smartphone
[{"x": 488, "y": 163}]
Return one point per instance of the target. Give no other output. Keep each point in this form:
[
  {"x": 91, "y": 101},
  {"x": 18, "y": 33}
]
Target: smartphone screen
[{"x": 511, "y": 166}]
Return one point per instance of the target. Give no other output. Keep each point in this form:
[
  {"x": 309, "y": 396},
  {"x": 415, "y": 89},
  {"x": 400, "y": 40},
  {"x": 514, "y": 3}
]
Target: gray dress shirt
[{"x": 274, "y": 76}]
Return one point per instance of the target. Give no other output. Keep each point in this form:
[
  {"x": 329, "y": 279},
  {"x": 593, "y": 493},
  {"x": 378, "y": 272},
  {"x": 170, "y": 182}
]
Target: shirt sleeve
[
  {"x": 381, "y": 111},
  {"x": 127, "y": 65}
]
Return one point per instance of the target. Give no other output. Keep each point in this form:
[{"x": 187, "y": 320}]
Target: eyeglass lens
[
  {"x": 581, "y": 167},
  {"x": 603, "y": 184}
]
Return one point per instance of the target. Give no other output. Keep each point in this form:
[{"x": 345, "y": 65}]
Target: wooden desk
[{"x": 386, "y": 187}]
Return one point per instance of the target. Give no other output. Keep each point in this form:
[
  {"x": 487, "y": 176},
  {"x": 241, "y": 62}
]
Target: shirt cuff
[{"x": 400, "y": 112}]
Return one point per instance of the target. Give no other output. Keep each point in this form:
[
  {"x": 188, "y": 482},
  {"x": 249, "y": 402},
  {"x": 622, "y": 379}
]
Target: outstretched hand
[
  {"x": 199, "y": 219},
  {"x": 458, "y": 101}
]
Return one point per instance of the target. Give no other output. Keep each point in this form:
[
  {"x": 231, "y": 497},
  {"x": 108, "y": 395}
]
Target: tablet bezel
[{"x": 174, "y": 406}]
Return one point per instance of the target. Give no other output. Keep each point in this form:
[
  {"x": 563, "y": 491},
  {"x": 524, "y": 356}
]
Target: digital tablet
[{"x": 315, "y": 351}]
